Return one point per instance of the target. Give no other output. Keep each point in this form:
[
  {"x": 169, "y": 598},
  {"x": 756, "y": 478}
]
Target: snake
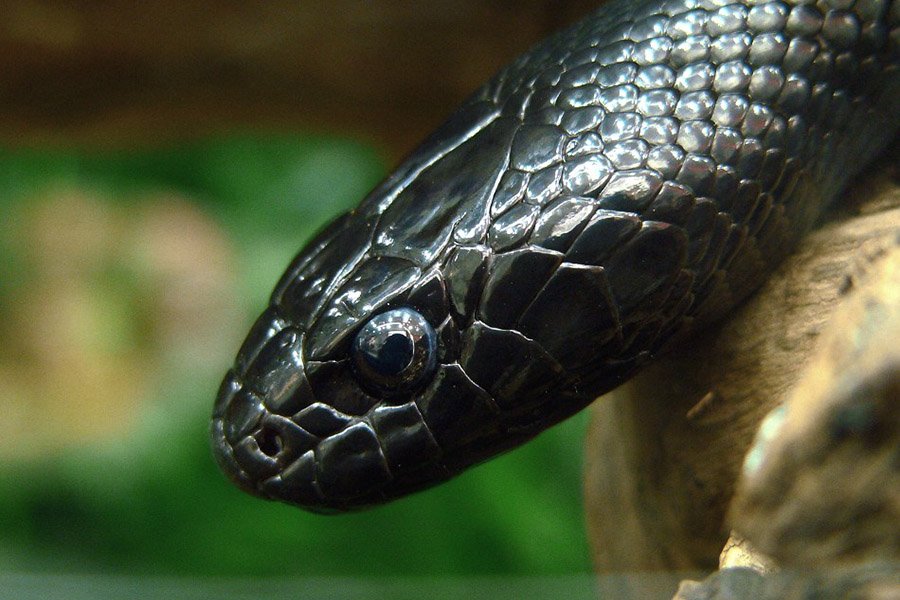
[{"x": 626, "y": 182}]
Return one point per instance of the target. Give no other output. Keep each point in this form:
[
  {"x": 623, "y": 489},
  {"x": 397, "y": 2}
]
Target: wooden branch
[
  {"x": 663, "y": 454},
  {"x": 821, "y": 485}
]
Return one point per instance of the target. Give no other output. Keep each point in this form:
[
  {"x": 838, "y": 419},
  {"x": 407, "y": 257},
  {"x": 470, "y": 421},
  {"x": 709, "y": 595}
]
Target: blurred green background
[{"x": 127, "y": 282}]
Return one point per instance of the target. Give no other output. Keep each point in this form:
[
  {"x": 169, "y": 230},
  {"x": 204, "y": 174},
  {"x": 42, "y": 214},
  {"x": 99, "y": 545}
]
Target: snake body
[{"x": 628, "y": 180}]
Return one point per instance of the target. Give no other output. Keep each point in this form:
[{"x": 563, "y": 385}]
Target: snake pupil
[{"x": 395, "y": 355}]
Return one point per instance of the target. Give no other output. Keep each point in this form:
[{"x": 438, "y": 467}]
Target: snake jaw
[{"x": 251, "y": 433}]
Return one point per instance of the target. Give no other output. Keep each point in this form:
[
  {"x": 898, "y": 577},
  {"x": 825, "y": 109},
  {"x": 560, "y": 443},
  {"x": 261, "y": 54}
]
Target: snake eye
[{"x": 395, "y": 351}]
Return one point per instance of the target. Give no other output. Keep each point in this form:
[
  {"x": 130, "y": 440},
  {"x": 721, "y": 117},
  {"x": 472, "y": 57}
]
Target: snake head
[
  {"x": 419, "y": 335},
  {"x": 408, "y": 342},
  {"x": 369, "y": 377},
  {"x": 349, "y": 389},
  {"x": 323, "y": 383}
]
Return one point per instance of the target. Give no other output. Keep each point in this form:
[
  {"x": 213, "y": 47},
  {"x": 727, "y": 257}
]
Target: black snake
[{"x": 626, "y": 181}]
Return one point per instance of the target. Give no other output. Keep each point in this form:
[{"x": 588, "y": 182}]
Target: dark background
[{"x": 119, "y": 73}]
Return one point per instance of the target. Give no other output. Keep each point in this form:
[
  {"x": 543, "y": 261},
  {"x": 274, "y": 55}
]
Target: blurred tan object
[
  {"x": 664, "y": 453},
  {"x": 867, "y": 581},
  {"x": 108, "y": 295},
  {"x": 739, "y": 553}
]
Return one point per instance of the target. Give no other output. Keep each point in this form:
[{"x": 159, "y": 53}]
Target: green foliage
[{"x": 151, "y": 499}]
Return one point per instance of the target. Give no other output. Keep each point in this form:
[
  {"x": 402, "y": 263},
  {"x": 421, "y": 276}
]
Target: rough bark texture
[
  {"x": 663, "y": 454},
  {"x": 821, "y": 485}
]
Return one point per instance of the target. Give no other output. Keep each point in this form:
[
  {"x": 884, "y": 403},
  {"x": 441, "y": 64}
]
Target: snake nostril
[{"x": 270, "y": 441}]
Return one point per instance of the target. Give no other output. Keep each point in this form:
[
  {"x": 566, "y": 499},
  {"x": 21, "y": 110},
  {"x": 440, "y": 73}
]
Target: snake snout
[
  {"x": 235, "y": 417},
  {"x": 288, "y": 429},
  {"x": 250, "y": 442},
  {"x": 252, "y": 434}
]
